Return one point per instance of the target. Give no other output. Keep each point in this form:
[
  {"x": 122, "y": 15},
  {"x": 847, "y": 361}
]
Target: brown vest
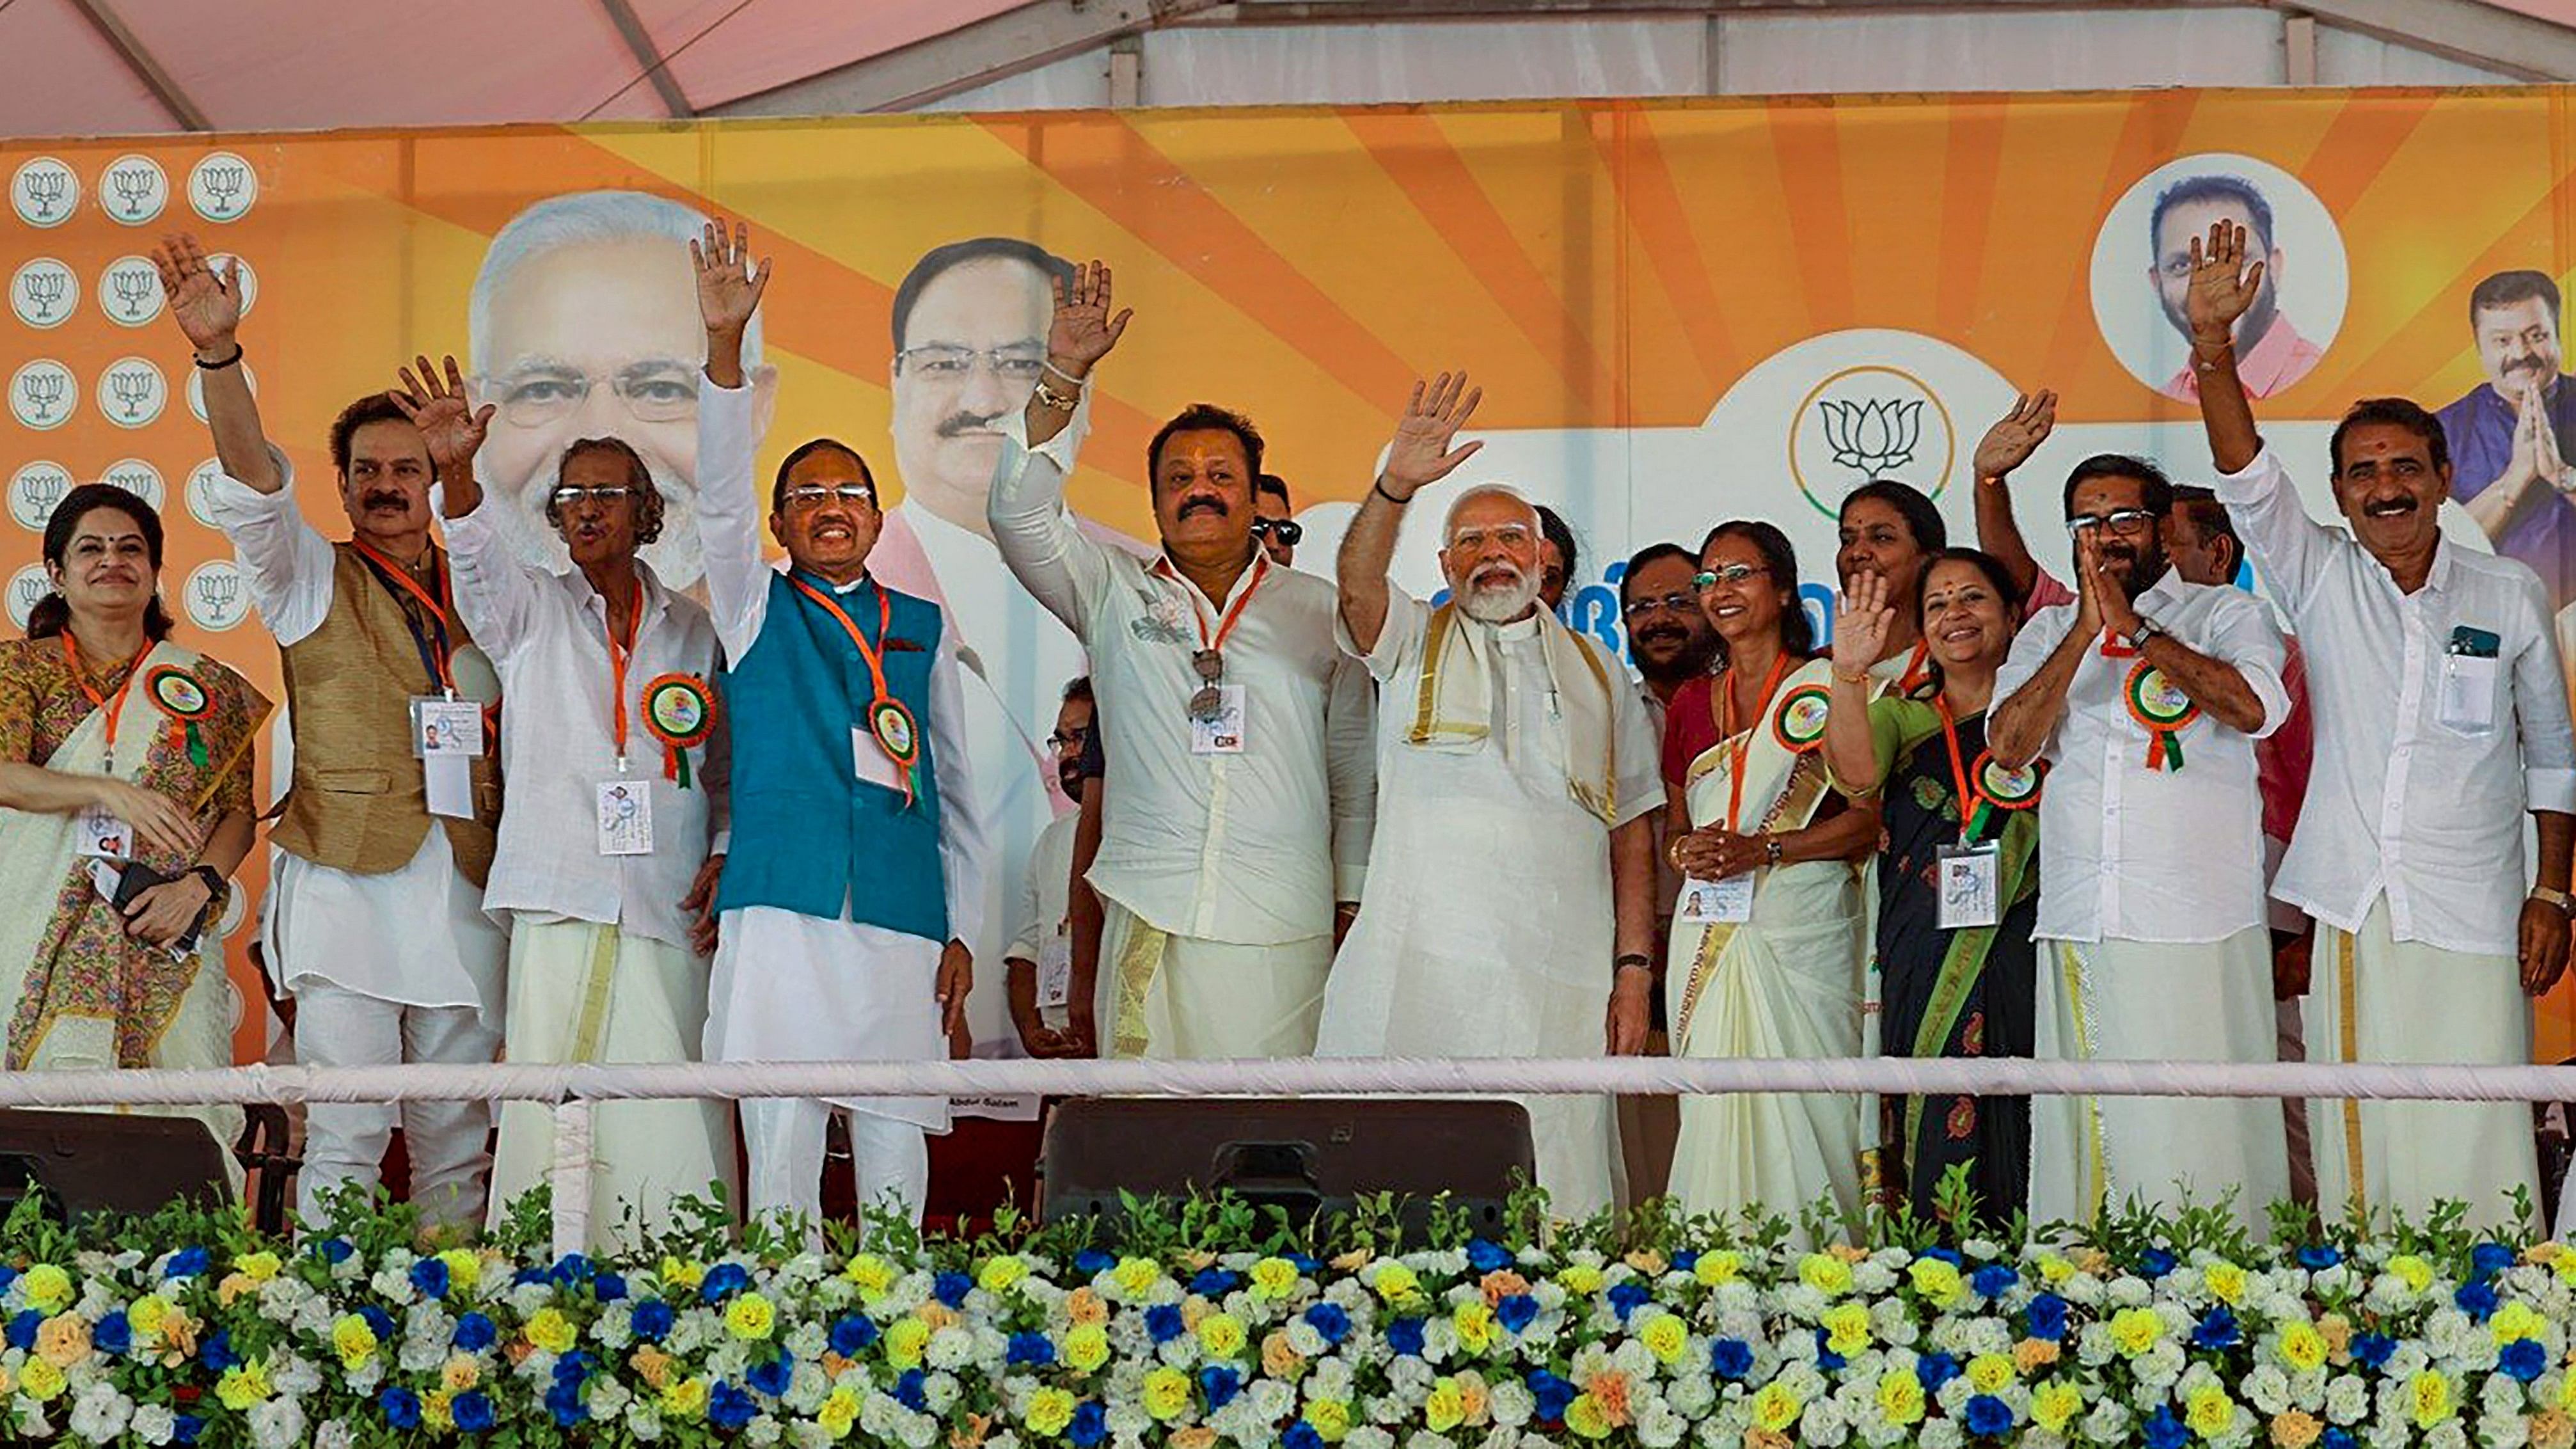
[{"x": 357, "y": 802}]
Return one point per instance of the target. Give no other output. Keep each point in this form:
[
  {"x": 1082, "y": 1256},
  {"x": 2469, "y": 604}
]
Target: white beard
[{"x": 1499, "y": 604}]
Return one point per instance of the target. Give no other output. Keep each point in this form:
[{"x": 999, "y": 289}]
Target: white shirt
[
  {"x": 2133, "y": 854},
  {"x": 2397, "y": 800},
  {"x": 1251, "y": 848},
  {"x": 1041, "y": 923},
  {"x": 730, "y": 505},
  {"x": 548, "y": 636}
]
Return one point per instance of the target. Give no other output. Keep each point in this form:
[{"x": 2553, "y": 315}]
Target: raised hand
[
  {"x": 1083, "y": 329},
  {"x": 1862, "y": 620},
  {"x": 449, "y": 424},
  {"x": 2011, "y": 441},
  {"x": 1420, "y": 453},
  {"x": 2089, "y": 586},
  {"x": 2222, "y": 285},
  {"x": 729, "y": 286},
  {"x": 207, "y": 306},
  {"x": 2102, "y": 593}
]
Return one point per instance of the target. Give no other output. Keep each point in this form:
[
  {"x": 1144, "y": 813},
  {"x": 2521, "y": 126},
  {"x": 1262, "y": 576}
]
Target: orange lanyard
[
  {"x": 1726, "y": 731},
  {"x": 1233, "y": 616},
  {"x": 116, "y": 709},
  {"x": 395, "y": 577},
  {"x": 1915, "y": 672},
  {"x": 869, "y": 652},
  {"x": 618, "y": 659},
  {"x": 1968, "y": 799}
]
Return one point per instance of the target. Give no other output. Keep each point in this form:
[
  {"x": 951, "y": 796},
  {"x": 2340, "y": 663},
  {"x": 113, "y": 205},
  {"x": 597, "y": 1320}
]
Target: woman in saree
[
  {"x": 1889, "y": 531},
  {"x": 118, "y": 749},
  {"x": 1767, "y": 934},
  {"x": 1958, "y": 874}
]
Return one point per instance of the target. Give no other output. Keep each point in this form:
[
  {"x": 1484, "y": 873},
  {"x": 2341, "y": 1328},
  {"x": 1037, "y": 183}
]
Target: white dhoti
[
  {"x": 2157, "y": 1001},
  {"x": 1188, "y": 998},
  {"x": 2372, "y": 998},
  {"x": 583, "y": 992}
]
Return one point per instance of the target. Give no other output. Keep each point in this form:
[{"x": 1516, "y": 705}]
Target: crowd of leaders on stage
[{"x": 2122, "y": 815}]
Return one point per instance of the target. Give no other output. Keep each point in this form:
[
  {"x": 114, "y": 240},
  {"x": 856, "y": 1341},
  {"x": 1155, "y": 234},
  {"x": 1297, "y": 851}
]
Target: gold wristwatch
[{"x": 2563, "y": 902}]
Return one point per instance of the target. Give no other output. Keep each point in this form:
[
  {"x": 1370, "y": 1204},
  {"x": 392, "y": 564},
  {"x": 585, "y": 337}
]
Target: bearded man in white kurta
[{"x": 1505, "y": 729}]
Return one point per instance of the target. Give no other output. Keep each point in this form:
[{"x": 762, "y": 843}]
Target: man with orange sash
[
  {"x": 2146, "y": 696},
  {"x": 849, "y": 876},
  {"x": 385, "y": 837}
]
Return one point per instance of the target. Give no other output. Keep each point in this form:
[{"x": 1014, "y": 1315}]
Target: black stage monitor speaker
[
  {"x": 80, "y": 1163},
  {"x": 1307, "y": 1156}
]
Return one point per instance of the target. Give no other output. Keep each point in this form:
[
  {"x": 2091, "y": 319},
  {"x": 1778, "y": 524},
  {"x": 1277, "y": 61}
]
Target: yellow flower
[
  {"x": 1775, "y": 1407},
  {"x": 1395, "y": 1282},
  {"x": 2209, "y": 1411},
  {"x": 242, "y": 1385},
  {"x": 1445, "y": 1408},
  {"x": 40, "y": 1380},
  {"x": 47, "y": 1288},
  {"x": 903, "y": 1342},
  {"x": 2226, "y": 1282},
  {"x": 1989, "y": 1372},
  {"x": 550, "y": 1330},
  {"x": 2296, "y": 1429},
  {"x": 1475, "y": 1324},
  {"x": 1086, "y": 1347},
  {"x": 2055, "y": 1269},
  {"x": 1579, "y": 1278},
  {"x": 2135, "y": 1330},
  {"x": 1937, "y": 1281},
  {"x": 1134, "y": 1275},
  {"x": 434, "y": 1410},
  {"x": 2416, "y": 1273},
  {"x": 1273, "y": 1278},
  {"x": 1331, "y": 1418},
  {"x": 1002, "y": 1272},
  {"x": 1900, "y": 1397},
  {"x": 2567, "y": 1392},
  {"x": 1846, "y": 1328},
  {"x": 147, "y": 1313},
  {"x": 1585, "y": 1417},
  {"x": 685, "y": 1398},
  {"x": 464, "y": 1270},
  {"x": 2303, "y": 1347},
  {"x": 1825, "y": 1273},
  {"x": 1221, "y": 1335},
  {"x": 872, "y": 1274},
  {"x": 1665, "y": 1336},
  {"x": 2430, "y": 1396},
  {"x": 750, "y": 1317},
  {"x": 258, "y": 1267},
  {"x": 63, "y": 1340},
  {"x": 1167, "y": 1393},
  {"x": 1049, "y": 1413},
  {"x": 2516, "y": 1320},
  {"x": 2054, "y": 1405},
  {"x": 353, "y": 1338},
  {"x": 2564, "y": 1265},
  {"x": 459, "y": 1373},
  {"x": 1717, "y": 1269},
  {"x": 677, "y": 1274},
  {"x": 838, "y": 1412}
]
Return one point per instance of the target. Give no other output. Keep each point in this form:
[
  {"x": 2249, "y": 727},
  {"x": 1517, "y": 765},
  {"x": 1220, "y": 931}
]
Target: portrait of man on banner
[{"x": 2508, "y": 435}]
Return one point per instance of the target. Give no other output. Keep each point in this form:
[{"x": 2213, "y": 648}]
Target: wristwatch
[
  {"x": 2147, "y": 629},
  {"x": 1626, "y": 959},
  {"x": 2562, "y": 902},
  {"x": 213, "y": 878}
]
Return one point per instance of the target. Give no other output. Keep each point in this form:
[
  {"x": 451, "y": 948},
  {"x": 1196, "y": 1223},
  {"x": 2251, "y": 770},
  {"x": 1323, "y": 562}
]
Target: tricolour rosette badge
[
  {"x": 2158, "y": 703},
  {"x": 2001, "y": 788},
  {"x": 186, "y": 700},
  {"x": 681, "y": 712},
  {"x": 900, "y": 738},
  {"x": 1799, "y": 723}
]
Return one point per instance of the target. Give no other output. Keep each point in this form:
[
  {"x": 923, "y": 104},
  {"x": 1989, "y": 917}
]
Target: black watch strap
[{"x": 214, "y": 878}]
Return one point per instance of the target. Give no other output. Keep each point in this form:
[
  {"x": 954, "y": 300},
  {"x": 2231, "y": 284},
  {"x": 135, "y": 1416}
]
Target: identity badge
[
  {"x": 625, "y": 816},
  {"x": 1727, "y": 902},
  {"x": 1220, "y": 731},
  {"x": 442, "y": 726},
  {"x": 1971, "y": 886}
]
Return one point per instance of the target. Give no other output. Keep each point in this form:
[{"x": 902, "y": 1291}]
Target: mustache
[
  {"x": 957, "y": 423},
  {"x": 1499, "y": 575},
  {"x": 1654, "y": 633},
  {"x": 1202, "y": 503},
  {"x": 2396, "y": 506},
  {"x": 383, "y": 498},
  {"x": 2533, "y": 363}
]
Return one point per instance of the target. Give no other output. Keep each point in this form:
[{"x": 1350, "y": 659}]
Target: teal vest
[{"x": 809, "y": 837}]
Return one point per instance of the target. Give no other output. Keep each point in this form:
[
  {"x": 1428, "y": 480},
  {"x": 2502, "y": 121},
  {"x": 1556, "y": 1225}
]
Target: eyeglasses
[
  {"x": 1674, "y": 603},
  {"x": 653, "y": 392},
  {"x": 1708, "y": 579},
  {"x": 573, "y": 495},
  {"x": 2126, "y": 522},
  {"x": 1288, "y": 531},
  {"x": 1020, "y": 363},
  {"x": 1509, "y": 535},
  {"x": 862, "y": 495},
  {"x": 1068, "y": 739}
]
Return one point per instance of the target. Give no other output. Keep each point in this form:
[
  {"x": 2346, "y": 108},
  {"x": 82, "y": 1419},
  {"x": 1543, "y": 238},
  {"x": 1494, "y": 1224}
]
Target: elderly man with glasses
[{"x": 2145, "y": 697}]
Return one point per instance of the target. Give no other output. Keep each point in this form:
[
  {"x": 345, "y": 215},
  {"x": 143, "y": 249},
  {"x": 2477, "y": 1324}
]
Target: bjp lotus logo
[{"x": 1869, "y": 422}]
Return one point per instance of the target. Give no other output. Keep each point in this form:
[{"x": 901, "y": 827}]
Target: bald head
[{"x": 1490, "y": 555}]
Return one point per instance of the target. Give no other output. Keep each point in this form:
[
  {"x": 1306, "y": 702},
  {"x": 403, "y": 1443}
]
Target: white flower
[
  {"x": 643, "y": 1421},
  {"x": 277, "y": 1423},
  {"x": 100, "y": 1412},
  {"x": 2268, "y": 1389},
  {"x": 154, "y": 1424},
  {"x": 762, "y": 1431},
  {"x": 2108, "y": 1423},
  {"x": 2347, "y": 1400},
  {"x": 1510, "y": 1404},
  {"x": 334, "y": 1434}
]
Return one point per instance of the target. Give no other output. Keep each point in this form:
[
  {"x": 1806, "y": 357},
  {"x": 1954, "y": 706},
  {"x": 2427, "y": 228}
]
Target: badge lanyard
[
  {"x": 618, "y": 658},
  {"x": 1917, "y": 668},
  {"x": 116, "y": 708},
  {"x": 1726, "y": 731},
  {"x": 1209, "y": 661},
  {"x": 433, "y": 646},
  {"x": 893, "y": 725}
]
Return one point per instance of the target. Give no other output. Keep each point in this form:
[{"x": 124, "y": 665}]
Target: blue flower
[
  {"x": 189, "y": 1262},
  {"x": 907, "y": 1391},
  {"x": 115, "y": 1335},
  {"x": 1163, "y": 1321},
  {"x": 2488, "y": 1259},
  {"x": 22, "y": 1329},
  {"x": 216, "y": 1353},
  {"x": 473, "y": 1411},
  {"x": 1515, "y": 1311},
  {"x": 1301, "y": 1435},
  {"x": 573, "y": 1367},
  {"x": 2523, "y": 1360},
  {"x": 1328, "y": 1320},
  {"x": 526, "y": 1276},
  {"x": 1304, "y": 1264},
  {"x": 8, "y": 1275},
  {"x": 2318, "y": 1257},
  {"x": 1091, "y": 1263},
  {"x": 1034, "y": 1349},
  {"x": 2216, "y": 1331},
  {"x": 1989, "y": 1417},
  {"x": 2045, "y": 1316},
  {"x": 571, "y": 1268},
  {"x": 1685, "y": 1260},
  {"x": 379, "y": 1322},
  {"x": 475, "y": 1333},
  {"x": 2476, "y": 1300},
  {"x": 1933, "y": 1370},
  {"x": 429, "y": 1278},
  {"x": 727, "y": 1279},
  {"x": 1090, "y": 1424},
  {"x": 608, "y": 1287},
  {"x": 770, "y": 1375},
  {"x": 1946, "y": 1255},
  {"x": 184, "y": 1428},
  {"x": 564, "y": 1402},
  {"x": 2155, "y": 1263},
  {"x": 2337, "y": 1439},
  {"x": 2372, "y": 1350},
  {"x": 401, "y": 1407},
  {"x": 1220, "y": 1382},
  {"x": 1404, "y": 1337},
  {"x": 1993, "y": 1280},
  {"x": 1550, "y": 1394},
  {"x": 1627, "y": 1298},
  {"x": 2164, "y": 1431},
  {"x": 1730, "y": 1358},
  {"x": 334, "y": 1250},
  {"x": 1212, "y": 1283},
  {"x": 951, "y": 1288},
  {"x": 651, "y": 1320},
  {"x": 1827, "y": 1361},
  {"x": 851, "y": 1335},
  {"x": 729, "y": 1408},
  {"x": 1487, "y": 1257}
]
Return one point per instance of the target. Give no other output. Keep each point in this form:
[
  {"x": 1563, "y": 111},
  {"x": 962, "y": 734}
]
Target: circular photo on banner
[{"x": 2142, "y": 272}]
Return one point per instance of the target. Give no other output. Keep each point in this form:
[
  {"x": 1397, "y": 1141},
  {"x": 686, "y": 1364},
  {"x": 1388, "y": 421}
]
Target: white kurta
[
  {"x": 1041, "y": 930},
  {"x": 1511, "y": 957}
]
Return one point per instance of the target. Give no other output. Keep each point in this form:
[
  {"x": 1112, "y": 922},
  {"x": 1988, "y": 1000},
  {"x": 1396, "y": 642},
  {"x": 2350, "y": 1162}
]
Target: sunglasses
[{"x": 1288, "y": 531}]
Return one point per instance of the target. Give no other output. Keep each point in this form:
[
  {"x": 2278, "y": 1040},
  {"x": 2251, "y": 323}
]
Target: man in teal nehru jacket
[{"x": 847, "y": 880}]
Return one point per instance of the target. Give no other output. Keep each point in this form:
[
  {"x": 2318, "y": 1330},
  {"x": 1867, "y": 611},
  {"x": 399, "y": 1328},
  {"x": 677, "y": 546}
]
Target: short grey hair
[
  {"x": 1449, "y": 520},
  {"x": 579, "y": 218}
]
